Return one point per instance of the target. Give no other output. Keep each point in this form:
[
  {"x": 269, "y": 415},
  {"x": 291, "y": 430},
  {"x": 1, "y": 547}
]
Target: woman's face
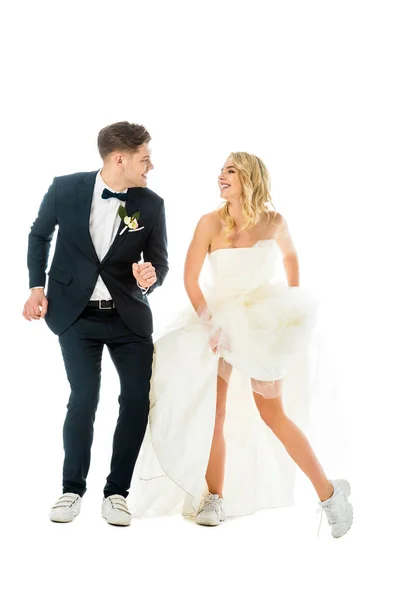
[{"x": 228, "y": 181}]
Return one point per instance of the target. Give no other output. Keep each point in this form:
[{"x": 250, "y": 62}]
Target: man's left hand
[{"x": 145, "y": 274}]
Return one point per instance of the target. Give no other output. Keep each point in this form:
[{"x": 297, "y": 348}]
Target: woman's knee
[{"x": 271, "y": 411}]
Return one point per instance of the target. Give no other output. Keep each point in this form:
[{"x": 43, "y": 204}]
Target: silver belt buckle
[{"x": 105, "y": 307}]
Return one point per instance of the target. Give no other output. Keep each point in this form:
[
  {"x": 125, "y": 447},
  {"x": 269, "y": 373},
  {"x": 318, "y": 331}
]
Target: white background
[{"x": 312, "y": 88}]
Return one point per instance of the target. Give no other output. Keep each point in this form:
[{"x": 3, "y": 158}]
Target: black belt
[{"x": 101, "y": 304}]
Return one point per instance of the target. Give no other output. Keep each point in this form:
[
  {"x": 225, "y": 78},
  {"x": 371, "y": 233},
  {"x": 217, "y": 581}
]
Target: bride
[{"x": 231, "y": 377}]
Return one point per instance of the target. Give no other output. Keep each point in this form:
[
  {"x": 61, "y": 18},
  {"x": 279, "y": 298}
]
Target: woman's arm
[
  {"x": 289, "y": 254},
  {"x": 195, "y": 257}
]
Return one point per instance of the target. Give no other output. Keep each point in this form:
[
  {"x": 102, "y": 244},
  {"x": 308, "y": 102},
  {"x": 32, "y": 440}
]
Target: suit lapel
[
  {"x": 84, "y": 194},
  {"x": 131, "y": 206}
]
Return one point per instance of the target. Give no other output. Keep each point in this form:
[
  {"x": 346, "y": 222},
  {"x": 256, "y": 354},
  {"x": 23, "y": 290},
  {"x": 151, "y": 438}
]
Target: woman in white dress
[{"x": 231, "y": 376}]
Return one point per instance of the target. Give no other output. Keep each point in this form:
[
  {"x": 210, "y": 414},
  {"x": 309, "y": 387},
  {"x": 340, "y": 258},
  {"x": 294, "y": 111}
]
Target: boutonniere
[{"x": 131, "y": 222}]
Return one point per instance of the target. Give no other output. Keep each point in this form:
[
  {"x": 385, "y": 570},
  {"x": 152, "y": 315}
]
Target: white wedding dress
[{"x": 267, "y": 327}]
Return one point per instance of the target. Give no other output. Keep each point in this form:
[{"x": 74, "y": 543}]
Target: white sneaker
[
  {"x": 115, "y": 510},
  {"x": 66, "y": 508},
  {"x": 211, "y": 511},
  {"x": 338, "y": 508}
]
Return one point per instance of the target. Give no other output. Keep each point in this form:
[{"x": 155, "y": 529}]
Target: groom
[{"x": 97, "y": 296}]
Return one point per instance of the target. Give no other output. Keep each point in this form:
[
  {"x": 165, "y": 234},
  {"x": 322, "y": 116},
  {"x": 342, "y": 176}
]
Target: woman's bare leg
[
  {"x": 216, "y": 465},
  {"x": 295, "y": 442}
]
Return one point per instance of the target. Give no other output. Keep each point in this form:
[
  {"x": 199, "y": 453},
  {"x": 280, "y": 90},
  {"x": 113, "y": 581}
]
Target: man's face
[{"x": 136, "y": 166}]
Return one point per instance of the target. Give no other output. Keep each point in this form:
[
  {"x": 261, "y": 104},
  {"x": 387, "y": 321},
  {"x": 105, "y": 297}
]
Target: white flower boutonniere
[{"x": 131, "y": 223}]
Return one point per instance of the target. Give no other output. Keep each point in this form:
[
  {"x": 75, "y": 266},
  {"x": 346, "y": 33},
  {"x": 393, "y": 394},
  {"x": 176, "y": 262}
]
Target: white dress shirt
[{"x": 104, "y": 222}]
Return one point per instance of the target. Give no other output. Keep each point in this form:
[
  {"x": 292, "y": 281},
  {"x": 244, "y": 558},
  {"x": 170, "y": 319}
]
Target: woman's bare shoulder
[
  {"x": 273, "y": 222},
  {"x": 210, "y": 223},
  {"x": 275, "y": 217}
]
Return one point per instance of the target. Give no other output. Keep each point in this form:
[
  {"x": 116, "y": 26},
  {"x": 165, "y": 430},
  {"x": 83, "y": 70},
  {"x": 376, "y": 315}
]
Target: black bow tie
[{"x": 108, "y": 194}]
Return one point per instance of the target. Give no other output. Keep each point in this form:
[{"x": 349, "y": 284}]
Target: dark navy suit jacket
[{"x": 76, "y": 267}]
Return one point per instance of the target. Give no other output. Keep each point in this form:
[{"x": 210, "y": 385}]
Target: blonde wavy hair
[{"x": 255, "y": 181}]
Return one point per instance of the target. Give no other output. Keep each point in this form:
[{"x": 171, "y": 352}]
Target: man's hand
[
  {"x": 36, "y": 306},
  {"x": 145, "y": 274}
]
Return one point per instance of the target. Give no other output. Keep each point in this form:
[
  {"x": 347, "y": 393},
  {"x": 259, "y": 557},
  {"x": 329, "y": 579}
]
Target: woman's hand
[
  {"x": 217, "y": 340},
  {"x": 214, "y": 341}
]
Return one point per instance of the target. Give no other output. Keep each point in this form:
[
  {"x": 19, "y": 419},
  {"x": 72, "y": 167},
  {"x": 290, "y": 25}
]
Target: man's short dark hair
[{"x": 121, "y": 136}]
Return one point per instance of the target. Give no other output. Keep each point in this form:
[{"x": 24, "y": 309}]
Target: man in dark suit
[{"x": 96, "y": 296}]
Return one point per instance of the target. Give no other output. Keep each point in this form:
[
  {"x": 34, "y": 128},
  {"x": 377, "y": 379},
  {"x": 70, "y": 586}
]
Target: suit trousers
[{"x": 82, "y": 347}]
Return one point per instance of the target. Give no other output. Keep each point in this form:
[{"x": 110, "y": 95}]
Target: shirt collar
[{"x": 100, "y": 185}]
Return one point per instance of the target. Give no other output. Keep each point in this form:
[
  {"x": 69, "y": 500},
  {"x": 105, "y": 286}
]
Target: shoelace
[
  {"x": 332, "y": 515},
  {"x": 210, "y": 503},
  {"x": 321, "y": 511},
  {"x": 65, "y": 501},
  {"x": 119, "y": 504}
]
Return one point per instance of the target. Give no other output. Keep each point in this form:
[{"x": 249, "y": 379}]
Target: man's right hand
[{"x": 36, "y": 306}]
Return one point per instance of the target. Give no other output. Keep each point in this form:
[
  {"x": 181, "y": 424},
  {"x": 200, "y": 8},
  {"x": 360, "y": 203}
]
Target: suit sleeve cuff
[{"x": 143, "y": 290}]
